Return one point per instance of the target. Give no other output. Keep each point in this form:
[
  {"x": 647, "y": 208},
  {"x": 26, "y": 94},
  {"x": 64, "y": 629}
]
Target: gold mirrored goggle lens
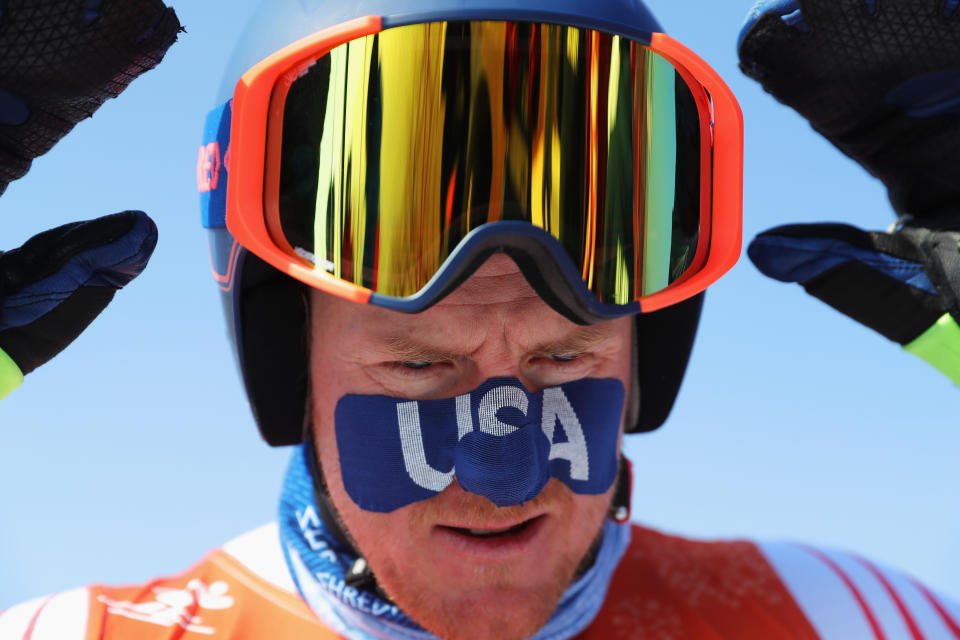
[{"x": 395, "y": 146}]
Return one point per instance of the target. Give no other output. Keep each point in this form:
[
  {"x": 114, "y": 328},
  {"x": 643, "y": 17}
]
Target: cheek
[
  {"x": 325, "y": 440},
  {"x": 622, "y": 363},
  {"x": 367, "y": 529}
]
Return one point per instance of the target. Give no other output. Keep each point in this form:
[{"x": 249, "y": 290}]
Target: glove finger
[
  {"x": 60, "y": 280},
  {"x": 770, "y": 23},
  {"x": 797, "y": 253},
  {"x": 880, "y": 80},
  {"x": 843, "y": 267},
  {"x": 60, "y": 60}
]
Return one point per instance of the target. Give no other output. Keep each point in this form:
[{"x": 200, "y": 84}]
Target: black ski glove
[
  {"x": 59, "y": 61},
  {"x": 880, "y": 79}
]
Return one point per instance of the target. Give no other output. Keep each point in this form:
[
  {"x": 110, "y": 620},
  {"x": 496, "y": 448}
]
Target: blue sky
[{"x": 133, "y": 452}]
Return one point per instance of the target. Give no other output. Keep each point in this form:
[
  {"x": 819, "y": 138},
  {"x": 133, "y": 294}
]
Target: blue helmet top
[{"x": 277, "y": 23}]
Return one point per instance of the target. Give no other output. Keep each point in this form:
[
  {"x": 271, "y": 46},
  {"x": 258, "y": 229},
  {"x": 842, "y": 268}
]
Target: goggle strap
[{"x": 213, "y": 165}]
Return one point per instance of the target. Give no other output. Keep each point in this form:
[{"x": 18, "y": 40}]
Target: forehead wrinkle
[{"x": 490, "y": 290}]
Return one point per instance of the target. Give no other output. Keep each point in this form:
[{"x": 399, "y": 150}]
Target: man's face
[{"x": 455, "y": 583}]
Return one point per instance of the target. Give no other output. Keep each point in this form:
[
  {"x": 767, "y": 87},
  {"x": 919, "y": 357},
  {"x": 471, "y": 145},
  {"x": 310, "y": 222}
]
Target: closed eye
[{"x": 416, "y": 365}]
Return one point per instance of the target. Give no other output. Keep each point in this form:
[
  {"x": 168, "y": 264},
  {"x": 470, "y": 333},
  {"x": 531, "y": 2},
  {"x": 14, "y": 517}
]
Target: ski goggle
[{"x": 383, "y": 166}]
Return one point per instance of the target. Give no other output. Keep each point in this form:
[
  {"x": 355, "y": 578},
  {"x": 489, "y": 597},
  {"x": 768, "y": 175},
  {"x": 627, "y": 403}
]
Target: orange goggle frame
[{"x": 254, "y": 219}]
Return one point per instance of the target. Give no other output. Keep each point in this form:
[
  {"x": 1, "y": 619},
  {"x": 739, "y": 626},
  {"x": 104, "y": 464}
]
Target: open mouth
[
  {"x": 493, "y": 544},
  {"x": 505, "y": 532}
]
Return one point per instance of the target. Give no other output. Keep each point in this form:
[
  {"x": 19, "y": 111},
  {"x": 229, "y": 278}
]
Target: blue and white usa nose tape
[{"x": 499, "y": 441}]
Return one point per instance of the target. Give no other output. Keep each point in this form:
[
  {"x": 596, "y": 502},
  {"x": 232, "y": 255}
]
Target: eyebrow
[
  {"x": 582, "y": 339},
  {"x": 407, "y": 350}
]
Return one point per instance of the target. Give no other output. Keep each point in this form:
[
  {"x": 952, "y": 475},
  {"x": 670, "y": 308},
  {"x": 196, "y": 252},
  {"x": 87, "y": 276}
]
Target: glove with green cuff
[
  {"x": 59, "y": 61},
  {"x": 53, "y": 286},
  {"x": 880, "y": 79}
]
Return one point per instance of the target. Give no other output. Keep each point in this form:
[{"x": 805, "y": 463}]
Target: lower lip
[{"x": 492, "y": 548}]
